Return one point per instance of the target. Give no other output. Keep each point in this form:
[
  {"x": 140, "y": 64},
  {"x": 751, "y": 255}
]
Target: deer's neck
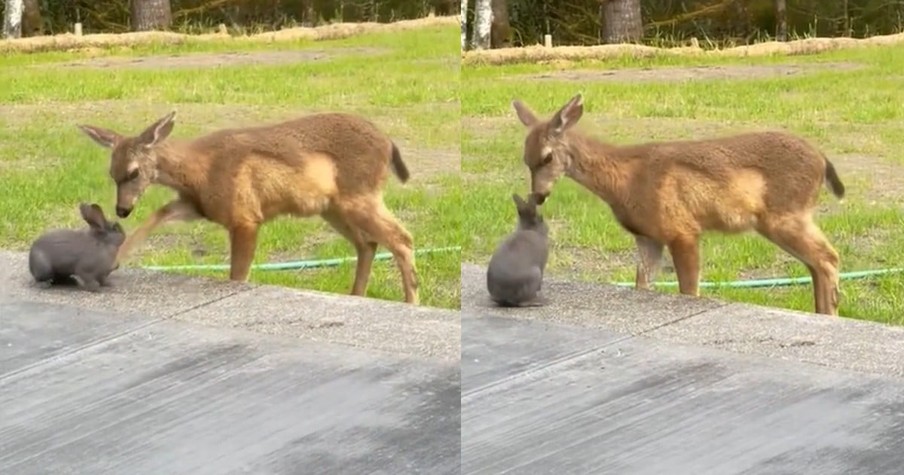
[
  {"x": 599, "y": 167},
  {"x": 177, "y": 168}
]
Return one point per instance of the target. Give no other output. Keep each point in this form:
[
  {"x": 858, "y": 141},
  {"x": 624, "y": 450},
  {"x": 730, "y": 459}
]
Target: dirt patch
[
  {"x": 678, "y": 74},
  {"x": 542, "y": 54},
  {"x": 427, "y": 163},
  {"x": 211, "y": 60},
  {"x": 883, "y": 180},
  {"x": 872, "y": 178},
  {"x": 423, "y": 162},
  {"x": 69, "y": 41}
]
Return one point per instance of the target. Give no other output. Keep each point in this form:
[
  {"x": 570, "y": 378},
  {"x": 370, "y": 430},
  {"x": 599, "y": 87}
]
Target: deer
[
  {"x": 668, "y": 193},
  {"x": 331, "y": 164}
]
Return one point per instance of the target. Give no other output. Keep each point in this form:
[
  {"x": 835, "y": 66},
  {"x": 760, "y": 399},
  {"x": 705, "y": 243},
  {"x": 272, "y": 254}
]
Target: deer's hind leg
[
  {"x": 369, "y": 214},
  {"x": 799, "y": 236},
  {"x": 366, "y": 249}
]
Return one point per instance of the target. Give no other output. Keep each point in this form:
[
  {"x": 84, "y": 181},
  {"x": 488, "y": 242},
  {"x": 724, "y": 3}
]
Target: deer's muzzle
[{"x": 123, "y": 212}]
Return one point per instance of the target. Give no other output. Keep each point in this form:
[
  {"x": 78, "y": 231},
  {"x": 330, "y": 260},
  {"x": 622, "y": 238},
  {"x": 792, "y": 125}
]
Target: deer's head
[
  {"x": 133, "y": 160},
  {"x": 546, "y": 151}
]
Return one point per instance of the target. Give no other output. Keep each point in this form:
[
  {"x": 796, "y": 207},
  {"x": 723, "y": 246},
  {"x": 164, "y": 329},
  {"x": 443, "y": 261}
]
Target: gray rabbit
[
  {"x": 88, "y": 254},
  {"x": 515, "y": 272}
]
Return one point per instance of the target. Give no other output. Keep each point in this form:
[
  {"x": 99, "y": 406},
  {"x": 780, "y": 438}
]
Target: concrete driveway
[
  {"x": 610, "y": 380},
  {"x": 167, "y": 374}
]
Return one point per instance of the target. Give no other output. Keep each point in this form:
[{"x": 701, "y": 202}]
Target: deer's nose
[
  {"x": 123, "y": 212},
  {"x": 540, "y": 197}
]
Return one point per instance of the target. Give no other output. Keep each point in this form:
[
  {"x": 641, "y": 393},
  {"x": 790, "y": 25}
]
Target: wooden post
[
  {"x": 547, "y": 41},
  {"x": 78, "y": 29}
]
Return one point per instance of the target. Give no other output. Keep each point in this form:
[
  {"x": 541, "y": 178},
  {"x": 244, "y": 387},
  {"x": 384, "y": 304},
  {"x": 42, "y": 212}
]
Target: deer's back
[
  {"x": 723, "y": 183},
  {"x": 296, "y": 167}
]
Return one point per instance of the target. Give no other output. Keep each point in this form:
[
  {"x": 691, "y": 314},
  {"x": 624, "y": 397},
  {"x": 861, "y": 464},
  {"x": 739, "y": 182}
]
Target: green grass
[
  {"x": 410, "y": 88},
  {"x": 855, "y": 111}
]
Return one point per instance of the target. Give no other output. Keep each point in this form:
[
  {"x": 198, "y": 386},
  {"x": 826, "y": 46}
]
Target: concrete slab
[
  {"x": 597, "y": 306},
  {"x": 60, "y": 332},
  {"x": 175, "y": 398},
  {"x": 314, "y": 316},
  {"x": 359, "y": 322},
  {"x": 641, "y": 406},
  {"x": 494, "y": 348},
  {"x": 133, "y": 291},
  {"x": 836, "y": 342}
]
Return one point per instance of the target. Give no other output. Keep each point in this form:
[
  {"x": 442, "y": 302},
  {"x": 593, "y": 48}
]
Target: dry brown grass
[
  {"x": 539, "y": 53},
  {"x": 69, "y": 41}
]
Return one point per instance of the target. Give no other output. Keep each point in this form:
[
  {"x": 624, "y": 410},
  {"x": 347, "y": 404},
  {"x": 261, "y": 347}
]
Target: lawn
[
  {"x": 846, "y": 102},
  {"x": 406, "y": 82}
]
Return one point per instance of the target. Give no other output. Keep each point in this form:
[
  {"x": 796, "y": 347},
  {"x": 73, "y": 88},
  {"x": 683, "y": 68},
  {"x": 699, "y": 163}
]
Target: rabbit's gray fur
[
  {"x": 515, "y": 272},
  {"x": 89, "y": 254}
]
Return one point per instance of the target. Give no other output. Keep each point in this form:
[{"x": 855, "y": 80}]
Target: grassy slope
[
  {"x": 856, "y": 111},
  {"x": 48, "y": 166}
]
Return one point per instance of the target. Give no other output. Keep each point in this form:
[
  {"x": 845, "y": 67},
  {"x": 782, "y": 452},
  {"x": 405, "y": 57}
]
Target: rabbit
[
  {"x": 515, "y": 272},
  {"x": 89, "y": 254}
]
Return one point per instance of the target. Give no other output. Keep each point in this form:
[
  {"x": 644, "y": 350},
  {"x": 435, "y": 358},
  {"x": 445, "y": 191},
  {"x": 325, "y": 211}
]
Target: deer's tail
[
  {"x": 398, "y": 166},
  {"x": 833, "y": 182}
]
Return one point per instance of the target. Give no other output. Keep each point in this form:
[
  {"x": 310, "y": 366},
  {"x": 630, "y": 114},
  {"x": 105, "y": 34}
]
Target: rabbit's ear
[
  {"x": 526, "y": 210},
  {"x": 93, "y": 215},
  {"x": 519, "y": 202}
]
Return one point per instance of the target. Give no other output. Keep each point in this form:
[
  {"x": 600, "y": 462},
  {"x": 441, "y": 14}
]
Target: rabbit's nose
[{"x": 123, "y": 212}]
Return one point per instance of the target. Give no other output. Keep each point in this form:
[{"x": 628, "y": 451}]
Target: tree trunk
[
  {"x": 501, "y": 30},
  {"x": 621, "y": 21},
  {"x": 32, "y": 21},
  {"x": 443, "y": 7},
  {"x": 12, "y": 19},
  {"x": 781, "y": 20},
  {"x": 151, "y": 15},
  {"x": 483, "y": 21},
  {"x": 464, "y": 25},
  {"x": 847, "y": 18}
]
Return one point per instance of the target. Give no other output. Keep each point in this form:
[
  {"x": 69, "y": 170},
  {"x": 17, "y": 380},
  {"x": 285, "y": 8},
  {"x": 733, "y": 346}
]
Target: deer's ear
[
  {"x": 524, "y": 113},
  {"x": 104, "y": 137},
  {"x": 568, "y": 115},
  {"x": 158, "y": 131}
]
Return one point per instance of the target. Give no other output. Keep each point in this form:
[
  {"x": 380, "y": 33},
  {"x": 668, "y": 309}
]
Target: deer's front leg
[
  {"x": 176, "y": 210},
  {"x": 242, "y": 243},
  {"x": 686, "y": 256},
  {"x": 649, "y": 253}
]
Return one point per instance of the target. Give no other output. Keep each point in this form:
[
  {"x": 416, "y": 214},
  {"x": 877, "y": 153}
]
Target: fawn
[
  {"x": 669, "y": 193},
  {"x": 328, "y": 164}
]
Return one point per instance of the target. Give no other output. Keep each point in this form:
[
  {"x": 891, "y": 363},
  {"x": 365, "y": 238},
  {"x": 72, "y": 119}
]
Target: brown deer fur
[
  {"x": 330, "y": 164},
  {"x": 669, "y": 193}
]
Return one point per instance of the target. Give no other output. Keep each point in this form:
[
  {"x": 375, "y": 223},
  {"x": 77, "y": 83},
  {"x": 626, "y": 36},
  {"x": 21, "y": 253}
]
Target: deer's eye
[
  {"x": 547, "y": 159},
  {"x": 132, "y": 176}
]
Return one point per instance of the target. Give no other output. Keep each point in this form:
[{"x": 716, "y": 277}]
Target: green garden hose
[
  {"x": 294, "y": 265},
  {"x": 777, "y": 282}
]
